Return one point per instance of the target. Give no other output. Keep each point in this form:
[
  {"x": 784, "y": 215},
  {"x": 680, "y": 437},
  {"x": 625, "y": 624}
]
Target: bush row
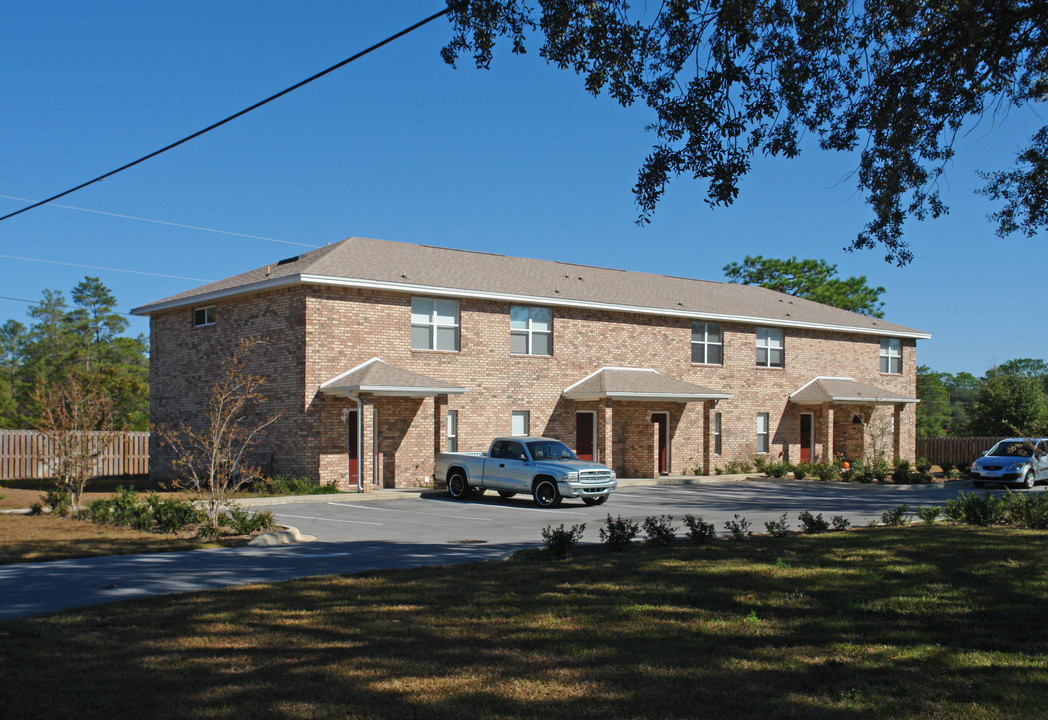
[{"x": 865, "y": 471}]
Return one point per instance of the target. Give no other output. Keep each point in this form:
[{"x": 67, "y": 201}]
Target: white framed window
[
  {"x": 770, "y": 348},
  {"x": 716, "y": 433},
  {"x": 762, "y": 433},
  {"x": 521, "y": 423},
  {"x": 530, "y": 330},
  {"x": 434, "y": 324},
  {"x": 204, "y": 316},
  {"x": 453, "y": 421},
  {"x": 891, "y": 356},
  {"x": 707, "y": 343}
]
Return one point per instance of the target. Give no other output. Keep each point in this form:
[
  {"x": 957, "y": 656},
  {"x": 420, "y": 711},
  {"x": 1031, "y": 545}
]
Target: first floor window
[
  {"x": 770, "y": 351},
  {"x": 891, "y": 355},
  {"x": 453, "y": 442},
  {"x": 521, "y": 422},
  {"x": 707, "y": 343},
  {"x": 762, "y": 432},
  {"x": 716, "y": 433},
  {"x": 530, "y": 330},
  {"x": 434, "y": 324},
  {"x": 204, "y": 316}
]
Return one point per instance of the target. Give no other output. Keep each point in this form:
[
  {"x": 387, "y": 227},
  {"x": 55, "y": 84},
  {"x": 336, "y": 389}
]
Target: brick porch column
[
  {"x": 368, "y": 451},
  {"x": 440, "y": 423},
  {"x": 707, "y": 436},
  {"x": 897, "y": 431},
  {"x": 604, "y": 417},
  {"x": 827, "y": 420}
]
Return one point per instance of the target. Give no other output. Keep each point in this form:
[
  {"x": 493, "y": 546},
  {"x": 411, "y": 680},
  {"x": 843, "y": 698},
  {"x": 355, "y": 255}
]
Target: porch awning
[
  {"x": 637, "y": 384},
  {"x": 380, "y": 378},
  {"x": 845, "y": 391}
]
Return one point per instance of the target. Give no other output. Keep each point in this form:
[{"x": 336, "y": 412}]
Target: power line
[
  {"x": 163, "y": 222},
  {"x": 234, "y": 116},
  {"x": 38, "y": 302},
  {"x": 107, "y": 269}
]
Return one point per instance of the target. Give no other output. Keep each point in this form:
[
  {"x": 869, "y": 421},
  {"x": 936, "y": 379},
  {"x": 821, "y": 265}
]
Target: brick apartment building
[{"x": 379, "y": 354}]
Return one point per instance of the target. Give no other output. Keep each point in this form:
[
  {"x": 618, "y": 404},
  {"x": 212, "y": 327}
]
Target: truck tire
[
  {"x": 458, "y": 488},
  {"x": 546, "y": 493}
]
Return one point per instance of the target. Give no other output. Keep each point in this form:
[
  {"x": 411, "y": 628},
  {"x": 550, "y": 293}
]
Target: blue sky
[{"x": 518, "y": 159}]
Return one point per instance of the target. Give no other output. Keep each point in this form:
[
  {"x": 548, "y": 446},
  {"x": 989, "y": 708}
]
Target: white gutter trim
[
  {"x": 678, "y": 397},
  {"x": 303, "y": 279}
]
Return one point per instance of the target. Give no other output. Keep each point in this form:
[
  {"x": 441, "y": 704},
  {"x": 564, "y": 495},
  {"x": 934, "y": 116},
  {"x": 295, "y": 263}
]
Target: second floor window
[
  {"x": 707, "y": 343},
  {"x": 434, "y": 324},
  {"x": 204, "y": 316},
  {"x": 770, "y": 350},
  {"x": 891, "y": 355},
  {"x": 530, "y": 330}
]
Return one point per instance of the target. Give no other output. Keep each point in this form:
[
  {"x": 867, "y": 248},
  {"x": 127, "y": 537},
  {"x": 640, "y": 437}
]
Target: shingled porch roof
[
  {"x": 380, "y": 378},
  {"x": 620, "y": 383},
  {"x": 844, "y": 391}
]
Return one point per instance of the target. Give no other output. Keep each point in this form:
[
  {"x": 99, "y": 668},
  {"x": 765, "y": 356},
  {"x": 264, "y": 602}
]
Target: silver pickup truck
[{"x": 544, "y": 468}]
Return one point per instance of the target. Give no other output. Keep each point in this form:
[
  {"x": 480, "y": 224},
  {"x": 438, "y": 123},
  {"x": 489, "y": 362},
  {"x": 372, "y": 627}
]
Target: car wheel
[
  {"x": 458, "y": 488},
  {"x": 506, "y": 493},
  {"x": 1028, "y": 481},
  {"x": 595, "y": 500},
  {"x": 546, "y": 494}
]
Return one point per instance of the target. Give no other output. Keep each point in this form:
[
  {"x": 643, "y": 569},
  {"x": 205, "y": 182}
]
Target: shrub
[
  {"x": 879, "y": 469},
  {"x": 60, "y": 502},
  {"x": 802, "y": 470},
  {"x": 207, "y": 531},
  {"x": 901, "y": 473},
  {"x": 924, "y": 465},
  {"x": 699, "y": 530},
  {"x": 126, "y": 509},
  {"x": 840, "y": 523},
  {"x": 739, "y": 527},
  {"x": 619, "y": 533},
  {"x": 171, "y": 515},
  {"x": 778, "y": 528},
  {"x": 896, "y": 516},
  {"x": 737, "y": 467},
  {"x": 659, "y": 530},
  {"x": 778, "y": 469},
  {"x": 826, "y": 470},
  {"x": 929, "y": 515},
  {"x": 244, "y": 523},
  {"x": 972, "y": 509},
  {"x": 953, "y": 473},
  {"x": 813, "y": 524},
  {"x": 1029, "y": 510},
  {"x": 561, "y": 542},
  {"x": 947, "y": 467},
  {"x": 760, "y": 463},
  {"x": 36, "y": 509}
]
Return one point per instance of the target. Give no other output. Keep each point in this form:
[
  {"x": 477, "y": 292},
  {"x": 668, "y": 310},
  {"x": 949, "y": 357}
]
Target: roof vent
[{"x": 285, "y": 261}]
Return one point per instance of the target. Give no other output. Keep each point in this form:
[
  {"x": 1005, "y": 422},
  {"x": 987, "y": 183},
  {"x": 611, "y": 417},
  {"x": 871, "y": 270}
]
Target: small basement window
[{"x": 204, "y": 316}]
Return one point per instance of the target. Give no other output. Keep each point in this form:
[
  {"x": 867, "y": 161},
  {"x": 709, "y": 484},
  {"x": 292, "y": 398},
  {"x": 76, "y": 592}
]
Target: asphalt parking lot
[{"x": 359, "y": 533}]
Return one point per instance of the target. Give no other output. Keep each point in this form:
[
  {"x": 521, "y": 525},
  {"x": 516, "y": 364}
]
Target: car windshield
[
  {"x": 550, "y": 450},
  {"x": 1012, "y": 448}
]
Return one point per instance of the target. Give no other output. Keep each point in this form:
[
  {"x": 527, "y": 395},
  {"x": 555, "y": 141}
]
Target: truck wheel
[
  {"x": 546, "y": 494},
  {"x": 506, "y": 493},
  {"x": 595, "y": 500},
  {"x": 458, "y": 488}
]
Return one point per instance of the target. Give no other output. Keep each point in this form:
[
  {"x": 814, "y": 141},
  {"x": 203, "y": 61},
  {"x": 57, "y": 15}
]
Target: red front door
[
  {"x": 584, "y": 435},
  {"x": 806, "y": 435},
  {"x": 354, "y": 449}
]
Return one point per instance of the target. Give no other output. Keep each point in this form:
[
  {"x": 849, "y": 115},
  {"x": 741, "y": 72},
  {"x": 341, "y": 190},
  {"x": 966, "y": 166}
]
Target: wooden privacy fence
[
  {"x": 958, "y": 451},
  {"x": 26, "y": 454}
]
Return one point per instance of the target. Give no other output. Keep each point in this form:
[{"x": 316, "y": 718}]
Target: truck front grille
[{"x": 594, "y": 476}]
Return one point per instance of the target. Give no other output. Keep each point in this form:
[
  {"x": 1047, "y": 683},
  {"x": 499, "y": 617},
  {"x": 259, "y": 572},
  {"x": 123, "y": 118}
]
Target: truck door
[{"x": 515, "y": 469}]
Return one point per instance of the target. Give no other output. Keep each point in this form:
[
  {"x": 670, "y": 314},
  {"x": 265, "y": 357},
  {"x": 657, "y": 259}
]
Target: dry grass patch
[{"x": 916, "y": 622}]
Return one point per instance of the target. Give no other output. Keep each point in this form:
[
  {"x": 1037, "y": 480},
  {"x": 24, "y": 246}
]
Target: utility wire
[
  {"x": 234, "y": 116},
  {"x": 163, "y": 222},
  {"x": 107, "y": 269},
  {"x": 38, "y": 302}
]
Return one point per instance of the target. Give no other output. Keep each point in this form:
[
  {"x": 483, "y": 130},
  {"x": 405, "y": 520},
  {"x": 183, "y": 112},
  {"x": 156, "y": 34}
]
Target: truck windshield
[{"x": 550, "y": 450}]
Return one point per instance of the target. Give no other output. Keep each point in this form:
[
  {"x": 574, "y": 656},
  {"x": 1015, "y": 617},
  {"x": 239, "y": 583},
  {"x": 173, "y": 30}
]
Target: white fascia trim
[
  {"x": 856, "y": 401},
  {"x": 347, "y": 373},
  {"x": 512, "y": 297},
  {"x": 654, "y": 397},
  {"x": 391, "y": 390},
  {"x": 598, "y": 372},
  {"x": 816, "y": 379}
]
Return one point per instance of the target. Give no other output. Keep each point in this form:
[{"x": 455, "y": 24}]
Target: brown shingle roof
[
  {"x": 362, "y": 262},
  {"x": 380, "y": 378},
  {"x": 844, "y": 390},
  {"x": 637, "y": 384}
]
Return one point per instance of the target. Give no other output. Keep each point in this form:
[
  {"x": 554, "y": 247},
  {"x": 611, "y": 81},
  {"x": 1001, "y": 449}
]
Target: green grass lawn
[{"x": 915, "y": 622}]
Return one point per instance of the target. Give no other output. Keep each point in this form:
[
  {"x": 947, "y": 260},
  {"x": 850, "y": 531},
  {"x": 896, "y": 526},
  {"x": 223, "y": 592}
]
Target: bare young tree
[
  {"x": 211, "y": 458},
  {"x": 76, "y": 419}
]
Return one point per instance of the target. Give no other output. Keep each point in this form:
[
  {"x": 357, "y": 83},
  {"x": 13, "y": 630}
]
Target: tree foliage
[
  {"x": 82, "y": 340},
  {"x": 211, "y": 456},
  {"x": 1010, "y": 404},
  {"x": 812, "y": 279},
  {"x": 933, "y": 410},
  {"x": 730, "y": 79}
]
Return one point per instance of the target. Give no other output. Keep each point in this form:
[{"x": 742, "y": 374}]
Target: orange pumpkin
[{"x": 845, "y": 465}]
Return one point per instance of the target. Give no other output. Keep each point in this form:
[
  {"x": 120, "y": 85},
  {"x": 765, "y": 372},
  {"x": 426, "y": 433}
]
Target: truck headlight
[{"x": 571, "y": 476}]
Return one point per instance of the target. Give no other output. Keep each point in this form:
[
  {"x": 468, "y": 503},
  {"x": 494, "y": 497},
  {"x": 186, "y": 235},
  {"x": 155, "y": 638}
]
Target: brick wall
[{"x": 319, "y": 332}]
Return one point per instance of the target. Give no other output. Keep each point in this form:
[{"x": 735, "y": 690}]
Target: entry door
[
  {"x": 806, "y": 436},
  {"x": 584, "y": 427},
  {"x": 354, "y": 447},
  {"x": 661, "y": 421}
]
